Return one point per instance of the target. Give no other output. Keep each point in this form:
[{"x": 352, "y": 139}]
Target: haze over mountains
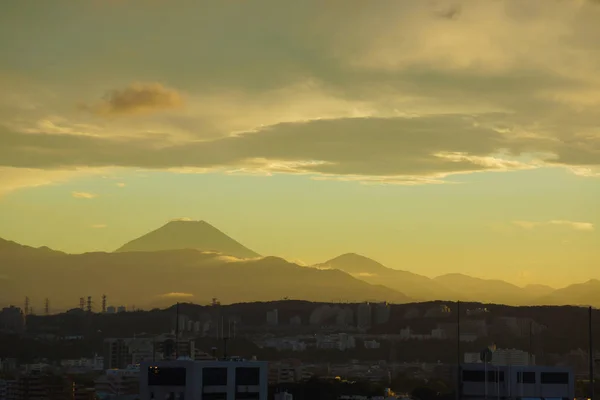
[{"x": 194, "y": 261}]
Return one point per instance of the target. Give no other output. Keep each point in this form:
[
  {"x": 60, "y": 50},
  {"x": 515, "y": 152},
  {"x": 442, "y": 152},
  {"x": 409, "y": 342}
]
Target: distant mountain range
[{"x": 194, "y": 261}]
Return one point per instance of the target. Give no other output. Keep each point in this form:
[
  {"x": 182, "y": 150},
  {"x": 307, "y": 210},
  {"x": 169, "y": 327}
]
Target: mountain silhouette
[
  {"x": 579, "y": 294},
  {"x": 487, "y": 290},
  {"x": 144, "y": 278},
  {"x": 416, "y": 286},
  {"x": 179, "y": 235}
]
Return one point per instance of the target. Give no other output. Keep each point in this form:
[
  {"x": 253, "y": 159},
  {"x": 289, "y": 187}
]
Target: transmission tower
[
  {"x": 89, "y": 304},
  {"x": 47, "y": 307},
  {"x": 81, "y": 303},
  {"x": 27, "y": 306},
  {"x": 103, "y": 304}
]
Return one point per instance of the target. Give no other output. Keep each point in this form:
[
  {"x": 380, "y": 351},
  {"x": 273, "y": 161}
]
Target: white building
[
  {"x": 480, "y": 381},
  {"x": 198, "y": 380}
]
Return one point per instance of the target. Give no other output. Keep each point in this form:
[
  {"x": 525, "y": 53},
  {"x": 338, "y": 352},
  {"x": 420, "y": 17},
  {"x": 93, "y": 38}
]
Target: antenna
[
  {"x": 103, "y": 304},
  {"x": 47, "y": 307},
  {"x": 591, "y": 346}
]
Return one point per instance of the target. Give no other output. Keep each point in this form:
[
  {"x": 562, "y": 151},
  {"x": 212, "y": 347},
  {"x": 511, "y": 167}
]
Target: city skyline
[{"x": 425, "y": 135}]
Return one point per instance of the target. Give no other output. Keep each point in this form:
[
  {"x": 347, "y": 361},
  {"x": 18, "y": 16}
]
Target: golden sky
[{"x": 433, "y": 136}]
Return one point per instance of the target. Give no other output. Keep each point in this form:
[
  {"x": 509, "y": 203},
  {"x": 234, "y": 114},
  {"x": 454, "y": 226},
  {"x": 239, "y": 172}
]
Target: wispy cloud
[
  {"x": 99, "y": 226},
  {"x": 121, "y": 184},
  {"x": 575, "y": 225},
  {"x": 84, "y": 195},
  {"x": 176, "y": 295},
  {"x": 181, "y": 219}
]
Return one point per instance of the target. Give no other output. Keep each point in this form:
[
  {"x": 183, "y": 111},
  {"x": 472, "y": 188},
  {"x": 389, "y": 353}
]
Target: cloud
[
  {"x": 182, "y": 219},
  {"x": 579, "y": 226},
  {"x": 84, "y": 195},
  {"x": 176, "y": 295},
  {"x": 121, "y": 184},
  {"x": 139, "y": 98},
  {"x": 341, "y": 95},
  {"x": 99, "y": 226}
]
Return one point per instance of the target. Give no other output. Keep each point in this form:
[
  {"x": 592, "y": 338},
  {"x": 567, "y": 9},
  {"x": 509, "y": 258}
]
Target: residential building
[
  {"x": 273, "y": 317},
  {"x": 121, "y": 352},
  {"x": 119, "y": 382},
  {"x": 382, "y": 313},
  {"x": 203, "y": 380},
  {"x": 287, "y": 371},
  {"x": 480, "y": 381},
  {"x": 363, "y": 315},
  {"x": 503, "y": 357}
]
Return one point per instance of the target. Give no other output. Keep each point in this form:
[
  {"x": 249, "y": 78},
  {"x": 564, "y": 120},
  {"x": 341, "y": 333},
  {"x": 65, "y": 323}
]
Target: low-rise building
[
  {"x": 480, "y": 381},
  {"x": 187, "y": 379}
]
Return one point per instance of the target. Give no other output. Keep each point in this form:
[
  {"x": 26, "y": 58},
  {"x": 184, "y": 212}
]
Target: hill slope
[
  {"x": 580, "y": 294},
  {"x": 413, "y": 285},
  {"x": 178, "y": 235},
  {"x": 487, "y": 290},
  {"x": 142, "y": 278}
]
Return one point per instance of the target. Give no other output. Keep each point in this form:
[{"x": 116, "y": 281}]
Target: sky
[{"x": 432, "y": 136}]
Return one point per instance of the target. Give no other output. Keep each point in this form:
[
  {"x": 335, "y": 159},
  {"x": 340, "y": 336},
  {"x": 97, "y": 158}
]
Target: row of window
[
  {"x": 176, "y": 376},
  {"x": 522, "y": 377}
]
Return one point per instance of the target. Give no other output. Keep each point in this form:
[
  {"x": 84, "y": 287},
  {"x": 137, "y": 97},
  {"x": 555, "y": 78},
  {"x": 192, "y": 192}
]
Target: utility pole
[
  {"x": 458, "y": 380},
  {"x": 591, "y": 350}
]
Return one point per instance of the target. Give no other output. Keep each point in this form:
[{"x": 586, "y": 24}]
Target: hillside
[
  {"x": 487, "y": 290},
  {"x": 413, "y": 285},
  {"x": 140, "y": 278},
  {"x": 581, "y": 294},
  {"x": 179, "y": 235}
]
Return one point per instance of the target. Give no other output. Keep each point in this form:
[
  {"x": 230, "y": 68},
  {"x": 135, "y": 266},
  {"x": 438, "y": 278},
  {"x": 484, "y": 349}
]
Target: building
[
  {"x": 111, "y": 310},
  {"x": 503, "y": 357},
  {"x": 273, "y": 317},
  {"x": 363, "y": 315},
  {"x": 203, "y": 380},
  {"x": 287, "y": 371},
  {"x": 283, "y": 396},
  {"x": 382, "y": 313},
  {"x": 480, "y": 381},
  {"x": 121, "y": 352},
  {"x": 118, "y": 382},
  {"x": 12, "y": 319}
]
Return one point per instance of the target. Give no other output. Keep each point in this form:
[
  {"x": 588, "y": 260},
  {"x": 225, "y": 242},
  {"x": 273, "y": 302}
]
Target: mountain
[
  {"x": 579, "y": 294},
  {"x": 179, "y": 235},
  {"x": 413, "y": 285},
  {"x": 139, "y": 278},
  {"x": 486, "y": 290},
  {"x": 537, "y": 290}
]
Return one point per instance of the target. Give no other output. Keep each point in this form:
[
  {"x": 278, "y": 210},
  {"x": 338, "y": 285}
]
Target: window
[
  {"x": 479, "y": 376},
  {"x": 214, "y": 396},
  {"x": 526, "y": 377},
  {"x": 165, "y": 376},
  {"x": 247, "y": 396},
  {"x": 214, "y": 377},
  {"x": 247, "y": 376},
  {"x": 560, "y": 378}
]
